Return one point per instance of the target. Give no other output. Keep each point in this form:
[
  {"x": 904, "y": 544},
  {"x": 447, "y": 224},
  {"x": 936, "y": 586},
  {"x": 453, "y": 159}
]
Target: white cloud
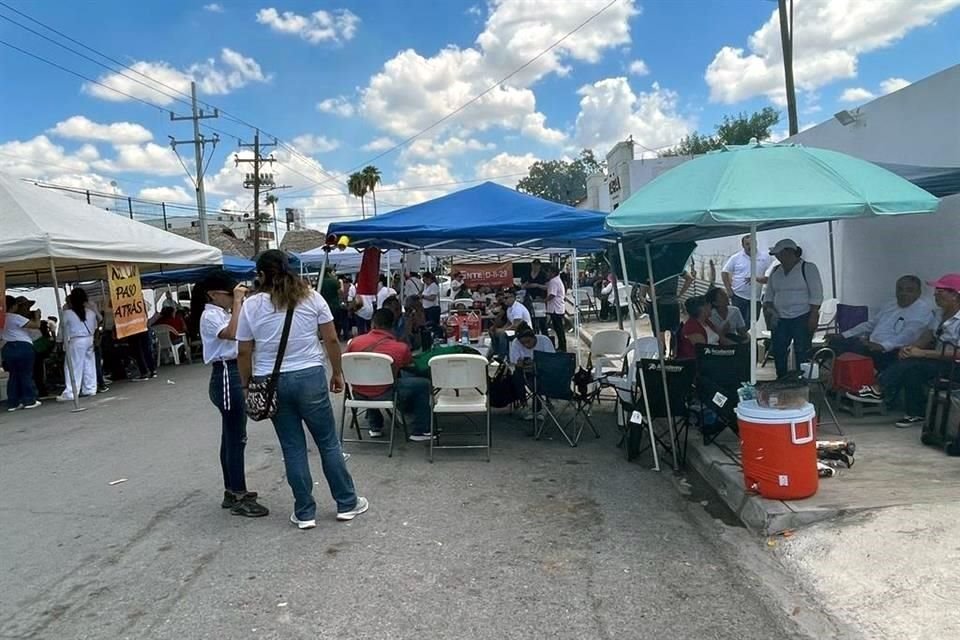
[
  {"x": 893, "y": 84},
  {"x": 166, "y": 194},
  {"x": 505, "y": 164},
  {"x": 428, "y": 149},
  {"x": 610, "y": 112},
  {"x": 310, "y": 144},
  {"x": 857, "y": 95},
  {"x": 379, "y": 144},
  {"x": 41, "y": 158},
  {"x": 82, "y": 128},
  {"x": 213, "y": 7},
  {"x": 413, "y": 91},
  {"x": 150, "y": 159},
  {"x": 639, "y": 68},
  {"x": 320, "y": 26},
  {"x": 338, "y": 106},
  {"x": 831, "y": 35},
  {"x": 233, "y": 71}
]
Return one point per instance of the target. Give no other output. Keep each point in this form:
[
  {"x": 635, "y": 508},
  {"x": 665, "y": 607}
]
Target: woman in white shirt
[
  {"x": 18, "y": 354},
  {"x": 726, "y": 318},
  {"x": 216, "y": 301},
  {"x": 80, "y": 323},
  {"x": 302, "y": 385},
  {"x": 431, "y": 299}
]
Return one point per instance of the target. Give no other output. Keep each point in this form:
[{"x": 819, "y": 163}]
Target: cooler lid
[{"x": 750, "y": 410}]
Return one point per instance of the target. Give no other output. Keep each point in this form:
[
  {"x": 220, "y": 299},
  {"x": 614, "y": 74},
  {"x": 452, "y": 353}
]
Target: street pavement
[{"x": 544, "y": 541}]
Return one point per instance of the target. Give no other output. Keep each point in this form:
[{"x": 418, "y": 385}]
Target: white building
[
  {"x": 240, "y": 224},
  {"x": 917, "y": 125}
]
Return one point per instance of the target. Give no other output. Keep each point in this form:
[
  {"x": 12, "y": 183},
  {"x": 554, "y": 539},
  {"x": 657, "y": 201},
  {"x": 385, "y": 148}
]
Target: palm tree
[
  {"x": 272, "y": 199},
  {"x": 371, "y": 178},
  {"x": 357, "y": 187}
]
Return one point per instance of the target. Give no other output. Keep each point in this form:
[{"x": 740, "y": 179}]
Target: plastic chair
[
  {"x": 606, "y": 348},
  {"x": 165, "y": 335},
  {"x": 466, "y": 377},
  {"x": 625, "y": 380},
  {"x": 827, "y": 321},
  {"x": 374, "y": 370}
]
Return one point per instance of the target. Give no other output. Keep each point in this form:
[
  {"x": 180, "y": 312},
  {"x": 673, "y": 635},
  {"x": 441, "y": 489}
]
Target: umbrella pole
[
  {"x": 833, "y": 263},
  {"x": 66, "y": 342},
  {"x": 663, "y": 366},
  {"x": 575, "y": 282},
  {"x": 753, "y": 303},
  {"x": 640, "y": 374}
]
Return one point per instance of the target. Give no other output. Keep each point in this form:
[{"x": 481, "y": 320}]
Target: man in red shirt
[{"x": 413, "y": 392}]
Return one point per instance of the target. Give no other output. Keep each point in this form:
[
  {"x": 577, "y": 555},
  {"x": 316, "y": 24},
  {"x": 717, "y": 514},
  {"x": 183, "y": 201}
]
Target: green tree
[
  {"x": 357, "y": 186},
  {"x": 371, "y": 179},
  {"x": 561, "y": 180},
  {"x": 733, "y": 130}
]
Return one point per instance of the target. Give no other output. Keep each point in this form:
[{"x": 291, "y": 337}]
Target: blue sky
[{"x": 342, "y": 81}]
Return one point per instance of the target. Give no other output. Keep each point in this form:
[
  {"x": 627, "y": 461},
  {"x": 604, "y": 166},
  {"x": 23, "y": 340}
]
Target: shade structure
[
  {"x": 486, "y": 216},
  {"x": 239, "y": 268},
  {"x": 346, "y": 260},
  {"x": 39, "y": 226},
  {"x": 768, "y": 185}
]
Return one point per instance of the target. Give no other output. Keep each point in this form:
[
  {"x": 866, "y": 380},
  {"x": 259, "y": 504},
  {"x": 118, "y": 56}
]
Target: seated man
[
  {"x": 918, "y": 365},
  {"x": 515, "y": 315},
  {"x": 899, "y": 324},
  {"x": 413, "y": 393},
  {"x": 521, "y": 356}
]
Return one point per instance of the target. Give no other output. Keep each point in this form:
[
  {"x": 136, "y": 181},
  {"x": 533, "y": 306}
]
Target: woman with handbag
[
  {"x": 216, "y": 303},
  {"x": 283, "y": 367}
]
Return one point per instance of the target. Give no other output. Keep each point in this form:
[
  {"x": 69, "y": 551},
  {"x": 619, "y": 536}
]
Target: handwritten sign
[
  {"x": 126, "y": 298},
  {"x": 486, "y": 275},
  {"x": 3, "y": 297}
]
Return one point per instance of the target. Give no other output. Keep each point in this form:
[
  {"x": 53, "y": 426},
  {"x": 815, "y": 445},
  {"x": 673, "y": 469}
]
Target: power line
[{"x": 420, "y": 186}]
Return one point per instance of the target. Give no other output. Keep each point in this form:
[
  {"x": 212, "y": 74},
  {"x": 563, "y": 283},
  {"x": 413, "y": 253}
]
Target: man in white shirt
[
  {"x": 431, "y": 299},
  {"x": 413, "y": 286},
  {"x": 516, "y": 315},
  {"x": 791, "y": 304},
  {"x": 556, "y": 305},
  {"x": 383, "y": 292},
  {"x": 899, "y": 324},
  {"x": 456, "y": 284},
  {"x": 736, "y": 277}
]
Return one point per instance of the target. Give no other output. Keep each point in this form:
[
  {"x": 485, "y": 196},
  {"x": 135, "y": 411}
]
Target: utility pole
[
  {"x": 254, "y": 180},
  {"x": 198, "y": 142},
  {"x": 786, "y": 42}
]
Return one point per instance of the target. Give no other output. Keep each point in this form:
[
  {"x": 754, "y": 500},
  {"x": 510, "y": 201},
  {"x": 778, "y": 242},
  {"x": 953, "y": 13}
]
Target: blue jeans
[
  {"x": 413, "y": 397},
  {"x": 18, "y": 361},
  {"x": 793, "y": 330},
  {"x": 226, "y": 394},
  {"x": 302, "y": 398},
  {"x": 910, "y": 376}
]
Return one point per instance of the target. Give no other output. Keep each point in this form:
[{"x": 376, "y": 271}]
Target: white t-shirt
[
  {"x": 517, "y": 311},
  {"x": 455, "y": 286},
  {"x": 74, "y": 327},
  {"x": 793, "y": 293},
  {"x": 351, "y": 293},
  {"x": 895, "y": 327},
  {"x": 383, "y": 294},
  {"x": 738, "y": 266},
  {"x": 215, "y": 349},
  {"x": 556, "y": 289},
  {"x": 734, "y": 322},
  {"x": 519, "y": 352},
  {"x": 432, "y": 289},
  {"x": 366, "y": 311},
  {"x": 13, "y": 330},
  {"x": 263, "y": 324},
  {"x": 412, "y": 287}
]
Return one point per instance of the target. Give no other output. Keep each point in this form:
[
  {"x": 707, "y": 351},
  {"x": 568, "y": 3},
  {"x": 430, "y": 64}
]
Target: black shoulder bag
[{"x": 262, "y": 394}]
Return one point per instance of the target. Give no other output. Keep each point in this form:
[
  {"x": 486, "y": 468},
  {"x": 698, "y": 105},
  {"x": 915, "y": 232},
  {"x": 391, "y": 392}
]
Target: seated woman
[
  {"x": 727, "y": 319},
  {"x": 697, "y": 329}
]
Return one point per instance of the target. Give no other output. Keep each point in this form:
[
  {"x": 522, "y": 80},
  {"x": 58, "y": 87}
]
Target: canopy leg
[
  {"x": 753, "y": 303},
  {"x": 575, "y": 283},
  {"x": 663, "y": 366},
  {"x": 66, "y": 342}
]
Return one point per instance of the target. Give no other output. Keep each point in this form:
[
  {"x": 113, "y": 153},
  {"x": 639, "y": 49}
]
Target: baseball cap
[
  {"x": 24, "y": 300},
  {"x": 786, "y": 243},
  {"x": 949, "y": 281}
]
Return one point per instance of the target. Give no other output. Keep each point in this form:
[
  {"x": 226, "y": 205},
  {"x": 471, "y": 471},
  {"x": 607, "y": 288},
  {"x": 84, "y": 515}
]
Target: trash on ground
[{"x": 119, "y": 481}]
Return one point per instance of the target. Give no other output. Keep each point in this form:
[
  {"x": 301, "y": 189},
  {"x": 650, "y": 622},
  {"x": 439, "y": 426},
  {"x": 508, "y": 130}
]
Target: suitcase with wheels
[{"x": 942, "y": 426}]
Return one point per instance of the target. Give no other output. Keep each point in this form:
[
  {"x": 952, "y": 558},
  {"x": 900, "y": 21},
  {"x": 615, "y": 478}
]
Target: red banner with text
[{"x": 499, "y": 274}]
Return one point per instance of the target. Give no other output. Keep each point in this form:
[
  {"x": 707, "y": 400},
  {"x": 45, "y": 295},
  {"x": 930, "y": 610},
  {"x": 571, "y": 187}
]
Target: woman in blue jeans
[
  {"x": 18, "y": 353},
  {"x": 216, "y": 301},
  {"x": 302, "y": 396}
]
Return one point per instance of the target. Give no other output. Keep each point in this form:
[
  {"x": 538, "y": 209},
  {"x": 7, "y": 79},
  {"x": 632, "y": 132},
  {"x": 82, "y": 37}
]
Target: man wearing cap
[
  {"x": 736, "y": 277},
  {"x": 18, "y": 352},
  {"x": 791, "y": 304},
  {"x": 921, "y": 363}
]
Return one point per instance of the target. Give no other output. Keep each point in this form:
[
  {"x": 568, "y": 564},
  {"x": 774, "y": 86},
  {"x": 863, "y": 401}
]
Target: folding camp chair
[
  {"x": 553, "y": 375},
  {"x": 369, "y": 369},
  {"x": 818, "y": 374},
  {"x": 680, "y": 378},
  {"x": 849, "y": 316},
  {"x": 459, "y": 387},
  {"x": 720, "y": 372}
]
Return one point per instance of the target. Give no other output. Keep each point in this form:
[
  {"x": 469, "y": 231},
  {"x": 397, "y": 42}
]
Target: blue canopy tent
[{"x": 239, "y": 268}]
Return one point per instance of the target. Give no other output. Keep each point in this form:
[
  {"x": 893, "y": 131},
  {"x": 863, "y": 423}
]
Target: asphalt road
[{"x": 545, "y": 541}]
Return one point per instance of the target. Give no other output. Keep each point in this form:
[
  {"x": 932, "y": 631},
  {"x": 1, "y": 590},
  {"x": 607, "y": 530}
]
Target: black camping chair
[
  {"x": 680, "y": 378},
  {"x": 720, "y": 372},
  {"x": 553, "y": 375}
]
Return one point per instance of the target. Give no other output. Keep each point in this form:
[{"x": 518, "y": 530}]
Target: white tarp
[{"x": 37, "y": 225}]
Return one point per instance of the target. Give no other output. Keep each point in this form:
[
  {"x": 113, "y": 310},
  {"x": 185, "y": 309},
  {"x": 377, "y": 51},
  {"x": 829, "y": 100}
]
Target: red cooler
[{"x": 779, "y": 450}]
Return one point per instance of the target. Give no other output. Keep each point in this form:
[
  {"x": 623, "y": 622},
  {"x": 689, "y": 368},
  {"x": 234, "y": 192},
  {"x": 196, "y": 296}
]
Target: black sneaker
[
  {"x": 230, "y": 499},
  {"x": 909, "y": 421},
  {"x": 249, "y": 507}
]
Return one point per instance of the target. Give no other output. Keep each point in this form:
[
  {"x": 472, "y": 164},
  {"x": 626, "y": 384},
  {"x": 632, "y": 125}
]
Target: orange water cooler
[{"x": 779, "y": 450}]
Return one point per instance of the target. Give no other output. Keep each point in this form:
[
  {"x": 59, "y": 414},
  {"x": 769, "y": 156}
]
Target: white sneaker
[
  {"x": 302, "y": 524},
  {"x": 12, "y": 409},
  {"x": 362, "y": 506},
  {"x": 421, "y": 437},
  {"x": 36, "y": 403},
  {"x": 375, "y": 434}
]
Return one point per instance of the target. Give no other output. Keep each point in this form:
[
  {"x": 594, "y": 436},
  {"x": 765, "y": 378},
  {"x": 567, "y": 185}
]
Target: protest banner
[
  {"x": 498, "y": 274},
  {"x": 3, "y": 297},
  {"x": 126, "y": 298}
]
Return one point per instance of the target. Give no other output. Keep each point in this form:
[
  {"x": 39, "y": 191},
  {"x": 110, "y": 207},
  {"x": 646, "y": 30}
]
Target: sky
[{"x": 347, "y": 83}]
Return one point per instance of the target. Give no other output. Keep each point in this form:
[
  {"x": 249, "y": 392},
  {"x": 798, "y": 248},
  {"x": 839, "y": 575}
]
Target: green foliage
[
  {"x": 561, "y": 180},
  {"x": 734, "y": 130}
]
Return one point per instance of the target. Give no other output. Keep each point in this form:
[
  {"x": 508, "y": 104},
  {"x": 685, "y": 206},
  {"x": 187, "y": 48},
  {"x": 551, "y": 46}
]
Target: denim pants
[
  {"x": 909, "y": 376},
  {"x": 556, "y": 319},
  {"x": 743, "y": 304},
  {"x": 302, "y": 398},
  {"x": 226, "y": 394},
  {"x": 18, "y": 361},
  {"x": 413, "y": 397},
  {"x": 793, "y": 330}
]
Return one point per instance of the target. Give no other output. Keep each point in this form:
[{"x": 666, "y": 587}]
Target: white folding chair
[
  {"x": 459, "y": 387},
  {"x": 606, "y": 349},
  {"x": 827, "y": 320},
  {"x": 368, "y": 369},
  {"x": 165, "y": 335},
  {"x": 587, "y": 303}
]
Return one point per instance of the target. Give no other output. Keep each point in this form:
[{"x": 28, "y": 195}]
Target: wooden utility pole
[
  {"x": 786, "y": 42},
  {"x": 255, "y": 180}
]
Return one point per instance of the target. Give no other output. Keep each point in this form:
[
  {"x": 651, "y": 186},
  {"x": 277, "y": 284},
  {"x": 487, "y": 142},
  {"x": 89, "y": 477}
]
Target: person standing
[
  {"x": 301, "y": 390},
  {"x": 791, "y": 304},
  {"x": 431, "y": 299},
  {"x": 736, "y": 278},
  {"x": 330, "y": 291},
  {"x": 215, "y": 305},
  {"x": 80, "y": 323},
  {"x": 556, "y": 306},
  {"x": 43, "y": 347},
  {"x": 384, "y": 291},
  {"x": 535, "y": 286},
  {"x": 17, "y": 353}
]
